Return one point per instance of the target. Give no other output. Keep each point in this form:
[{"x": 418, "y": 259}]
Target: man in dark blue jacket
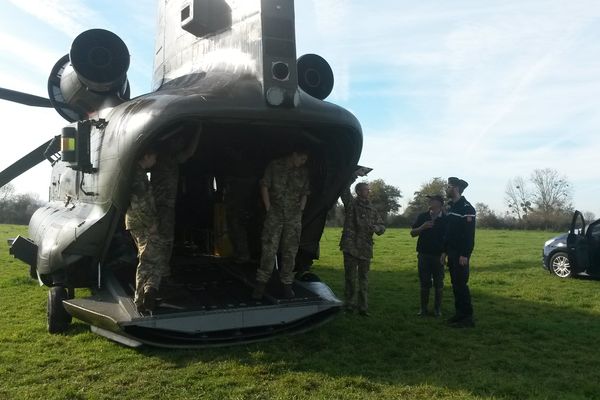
[{"x": 459, "y": 241}]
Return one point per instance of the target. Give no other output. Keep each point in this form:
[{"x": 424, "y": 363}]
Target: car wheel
[
  {"x": 559, "y": 265},
  {"x": 58, "y": 318}
]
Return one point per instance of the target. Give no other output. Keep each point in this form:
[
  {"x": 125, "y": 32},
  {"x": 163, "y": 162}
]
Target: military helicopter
[{"x": 224, "y": 68}]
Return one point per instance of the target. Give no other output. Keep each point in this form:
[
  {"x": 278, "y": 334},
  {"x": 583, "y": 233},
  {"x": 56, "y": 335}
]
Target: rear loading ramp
[{"x": 216, "y": 310}]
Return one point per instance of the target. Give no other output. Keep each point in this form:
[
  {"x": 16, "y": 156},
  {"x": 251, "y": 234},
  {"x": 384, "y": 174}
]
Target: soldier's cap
[
  {"x": 459, "y": 183},
  {"x": 435, "y": 197}
]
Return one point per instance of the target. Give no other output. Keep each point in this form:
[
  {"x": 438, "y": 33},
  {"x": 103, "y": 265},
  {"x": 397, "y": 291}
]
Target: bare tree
[
  {"x": 589, "y": 216},
  {"x": 552, "y": 192},
  {"x": 518, "y": 198}
]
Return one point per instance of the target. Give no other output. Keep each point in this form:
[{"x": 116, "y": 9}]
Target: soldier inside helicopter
[{"x": 218, "y": 217}]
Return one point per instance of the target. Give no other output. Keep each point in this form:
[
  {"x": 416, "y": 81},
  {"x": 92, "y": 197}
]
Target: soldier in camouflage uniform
[
  {"x": 165, "y": 178},
  {"x": 141, "y": 221},
  {"x": 284, "y": 189},
  {"x": 360, "y": 222}
]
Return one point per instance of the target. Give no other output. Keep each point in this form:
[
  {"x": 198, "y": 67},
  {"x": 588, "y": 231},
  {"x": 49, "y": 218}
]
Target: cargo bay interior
[{"x": 218, "y": 189}]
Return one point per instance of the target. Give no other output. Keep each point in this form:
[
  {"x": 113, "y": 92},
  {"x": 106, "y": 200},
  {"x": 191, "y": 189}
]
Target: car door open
[
  {"x": 577, "y": 245},
  {"x": 592, "y": 235}
]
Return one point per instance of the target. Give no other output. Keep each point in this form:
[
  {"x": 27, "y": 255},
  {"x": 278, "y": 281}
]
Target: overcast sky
[{"x": 483, "y": 90}]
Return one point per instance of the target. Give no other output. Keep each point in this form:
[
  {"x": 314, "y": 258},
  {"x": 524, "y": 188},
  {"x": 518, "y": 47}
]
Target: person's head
[
  {"x": 362, "y": 190},
  {"x": 436, "y": 202},
  {"x": 299, "y": 157},
  {"x": 148, "y": 159},
  {"x": 455, "y": 187}
]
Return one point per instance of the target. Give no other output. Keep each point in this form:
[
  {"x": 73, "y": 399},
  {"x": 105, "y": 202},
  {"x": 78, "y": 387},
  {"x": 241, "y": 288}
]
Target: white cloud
[
  {"x": 497, "y": 88},
  {"x": 67, "y": 16},
  {"x": 36, "y": 57}
]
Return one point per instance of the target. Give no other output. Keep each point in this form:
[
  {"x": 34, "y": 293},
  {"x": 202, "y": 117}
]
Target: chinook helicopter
[{"x": 224, "y": 68}]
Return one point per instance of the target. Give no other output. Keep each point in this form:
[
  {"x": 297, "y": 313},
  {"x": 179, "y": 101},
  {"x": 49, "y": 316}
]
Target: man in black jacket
[
  {"x": 430, "y": 227},
  {"x": 459, "y": 241}
]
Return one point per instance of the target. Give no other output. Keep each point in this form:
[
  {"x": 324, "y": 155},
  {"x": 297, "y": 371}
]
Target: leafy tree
[
  {"x": 18, "y": 209},
  {"x": 420, "y": 203},
  {"x": 6, "y": 192},
  {"x": 486, "y": 217},
  {"x": 385, "y": 197}
]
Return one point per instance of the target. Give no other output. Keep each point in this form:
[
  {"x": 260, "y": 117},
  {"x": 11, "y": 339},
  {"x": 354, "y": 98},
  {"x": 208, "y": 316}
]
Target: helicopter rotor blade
[
  {"x": 26, "y": 163},
  {"x": 24, "y": 98}
]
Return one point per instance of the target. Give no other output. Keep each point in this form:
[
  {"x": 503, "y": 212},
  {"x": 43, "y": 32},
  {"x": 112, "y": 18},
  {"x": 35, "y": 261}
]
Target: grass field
[{"x": 536, "y": 337}]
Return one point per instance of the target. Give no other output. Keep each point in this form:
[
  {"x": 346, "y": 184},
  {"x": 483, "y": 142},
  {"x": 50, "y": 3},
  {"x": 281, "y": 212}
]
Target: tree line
[
  {"x": 541, "y": 201},
  {"x": 17, "y": 208}
]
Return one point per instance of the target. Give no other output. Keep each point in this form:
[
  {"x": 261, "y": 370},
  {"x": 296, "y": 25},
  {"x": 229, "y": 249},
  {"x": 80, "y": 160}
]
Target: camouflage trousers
[
  {"x": 282, "y": 234},
  {"x": 166, "y": 236},
  {"x": 148, "y": 273},
  {"x": 352, "y": 267}
]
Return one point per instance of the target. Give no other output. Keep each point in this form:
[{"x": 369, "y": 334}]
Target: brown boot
[
  {"x": 288, "y": 293},
  {"x": 259, "y": 290}
]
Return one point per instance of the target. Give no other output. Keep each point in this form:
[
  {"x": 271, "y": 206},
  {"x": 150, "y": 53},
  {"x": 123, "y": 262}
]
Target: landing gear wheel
[{"x": 58, "y": 318}]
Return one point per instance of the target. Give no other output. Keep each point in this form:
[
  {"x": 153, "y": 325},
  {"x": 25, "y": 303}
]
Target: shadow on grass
[{"x": 520, "y": 348}]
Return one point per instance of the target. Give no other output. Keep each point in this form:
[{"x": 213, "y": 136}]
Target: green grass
[{"x": 536, "y": 337}]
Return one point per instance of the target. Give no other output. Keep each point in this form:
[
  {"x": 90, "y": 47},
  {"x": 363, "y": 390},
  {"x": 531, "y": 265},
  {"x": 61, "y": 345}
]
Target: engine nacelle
[
  {"x": 91, "y": 77},
  {"x": 315, "y": 76}
]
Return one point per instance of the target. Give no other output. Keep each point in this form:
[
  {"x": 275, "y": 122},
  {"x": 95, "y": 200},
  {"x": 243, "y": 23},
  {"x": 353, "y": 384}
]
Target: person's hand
[
  {"x": 463, "y": 261},
  {"x": 427, "y": 225}
]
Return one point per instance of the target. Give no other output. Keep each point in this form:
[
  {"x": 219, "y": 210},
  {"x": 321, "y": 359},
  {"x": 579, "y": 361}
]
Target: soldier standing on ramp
[
  {"x": 141, "y": 221},
  {"x": 284, "y": 189},
  {"x": 165, "y": 178},
  {"x": 361, "y": 220}
]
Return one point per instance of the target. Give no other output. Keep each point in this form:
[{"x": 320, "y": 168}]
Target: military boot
[
  {"x": 437, "y": 307},
  {"x": 288, "y": 293},
  {"x": 259, "y": 290},
  {"x": 424, "y": 302},
  {"x": 149, "y": 299}
]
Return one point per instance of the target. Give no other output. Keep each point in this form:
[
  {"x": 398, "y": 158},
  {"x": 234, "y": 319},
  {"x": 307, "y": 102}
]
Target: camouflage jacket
[
  {"x": 287, "y": 185},
  {"x": 165, "y": 176},
  {"x": 141, "y": 214},
  {"x": 361, "y": 220}
]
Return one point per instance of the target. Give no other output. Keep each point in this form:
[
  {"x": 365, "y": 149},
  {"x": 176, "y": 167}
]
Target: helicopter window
[{"x": 185, "y": 13}]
